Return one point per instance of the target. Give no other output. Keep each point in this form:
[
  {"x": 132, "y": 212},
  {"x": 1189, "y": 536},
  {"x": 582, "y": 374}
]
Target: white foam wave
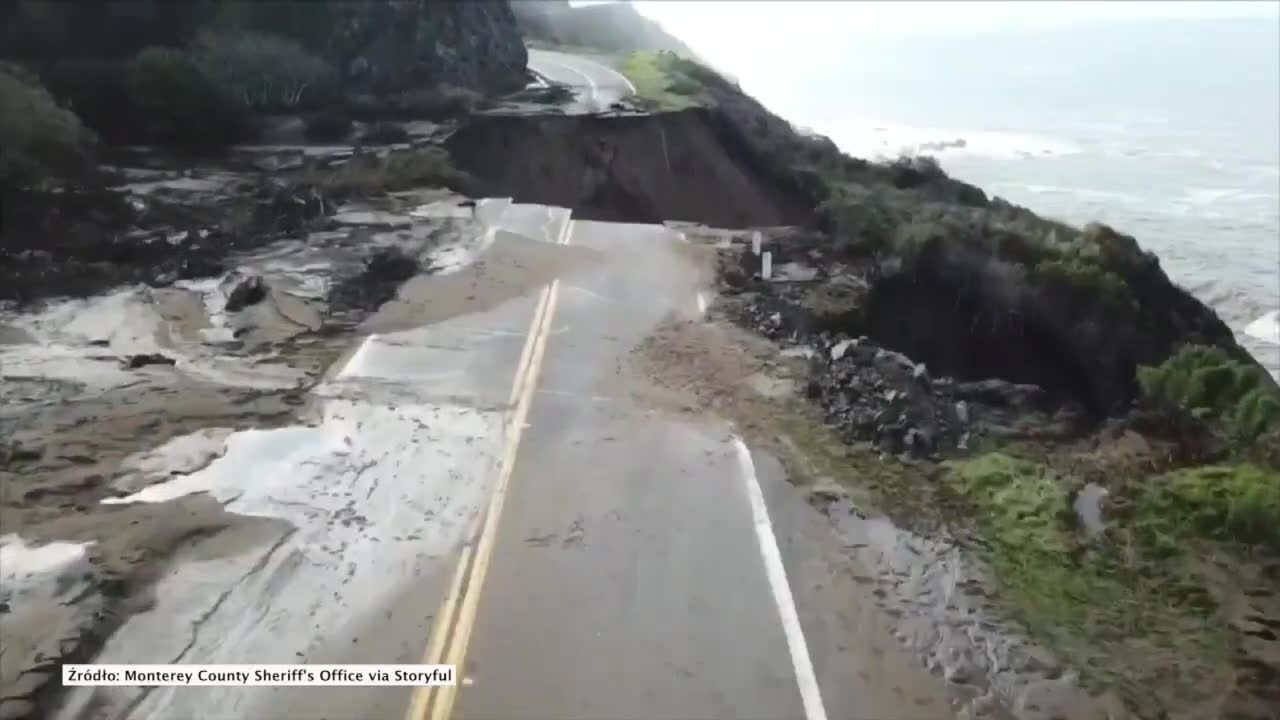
[
  {"x": 880, "y": 141},
  {"x": 1265, "y": 328}
]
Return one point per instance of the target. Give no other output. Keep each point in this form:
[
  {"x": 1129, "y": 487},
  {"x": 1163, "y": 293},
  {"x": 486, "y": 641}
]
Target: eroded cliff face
[
  {"x": 926, "y": 265},
  {"x": 675, "y": 166}
]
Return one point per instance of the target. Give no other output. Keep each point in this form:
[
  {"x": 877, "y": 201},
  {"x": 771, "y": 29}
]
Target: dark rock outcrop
[
  {"x": 248, "y": 291},
  {"x": 388, "y": 46}
]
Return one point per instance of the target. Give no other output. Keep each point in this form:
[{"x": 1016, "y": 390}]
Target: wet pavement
[
  {"x": 643, "y": 562},
  {"x": 598, "y": 86}
]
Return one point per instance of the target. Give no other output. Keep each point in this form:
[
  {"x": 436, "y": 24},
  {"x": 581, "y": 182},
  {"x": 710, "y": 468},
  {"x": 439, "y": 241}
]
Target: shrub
[
  {"x": 910, "y": 172},
  {"x": 162, "y": 96},
  {"x": 1206, "y": 381},
  {"x": 178, "y": 103},
  {"x": 859, "y": 219},
  {"x": 659, "y": 83},
  {"x": 330, "y": 126},
  {"x": 266, "y": 73},
  {"x": 39, "y": 140},
  {"x": 1236, "y": 503}
]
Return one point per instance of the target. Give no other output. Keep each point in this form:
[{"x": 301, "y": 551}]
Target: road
[
  {"x": 489, "y": 490},
  {"x": 597, "y": 84}
]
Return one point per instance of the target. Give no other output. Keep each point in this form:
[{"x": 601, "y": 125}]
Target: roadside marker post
[
  {"x": 766, "y": 266},
  {"x": 755, "y": 243}
]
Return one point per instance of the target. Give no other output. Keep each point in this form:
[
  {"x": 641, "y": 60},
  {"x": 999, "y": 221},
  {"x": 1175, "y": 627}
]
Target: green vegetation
[
  {"x": 1232, "y": 503},
  {"x": 863, "y": 220},
  {"x": 266, "y": 73},
  {"x": 161, "y": 96},
  {"x": 1088, "y": 282},
  {"x": 1235, "y": 396},
  {"x": 176, "y": 101},
  {"x": 1100, "y": 603},
  {"x": 668, "y": 82},
  {"x": 367, "y": 173},
  {"x": 38, "y": 139}
]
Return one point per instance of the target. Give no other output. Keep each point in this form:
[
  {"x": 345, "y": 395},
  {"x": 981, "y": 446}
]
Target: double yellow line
[{"x": 451, "y": 631}]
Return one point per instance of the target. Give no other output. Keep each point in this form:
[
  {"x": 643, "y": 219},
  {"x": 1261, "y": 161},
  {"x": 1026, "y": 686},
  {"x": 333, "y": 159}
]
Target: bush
[
  {"x": 161, "y": 97},
  {"x": 859, "y": 219},
  {"x": 659, "y": 83},
  {"x": 1207, "y": 382},
  {"x": 1236, "y": 503},
  {"x": 266, "y": 73},
  {"x": 332, "y": 126},
  {"x": 39, "y": 140},
  {"x": 1086, "y": 283},
  {"x": 98, "y": 93},
  {"x": 178, "y": 103}
]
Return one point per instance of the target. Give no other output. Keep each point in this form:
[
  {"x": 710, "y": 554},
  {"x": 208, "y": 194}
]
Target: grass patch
[
  {"x": 1235, "y": 396},
  {"x": 1232, "y": 503},
  {"x": 1105, "y": 605},
  {"x": 668, "y": 82},
  {"x": 369, "y": 173}
]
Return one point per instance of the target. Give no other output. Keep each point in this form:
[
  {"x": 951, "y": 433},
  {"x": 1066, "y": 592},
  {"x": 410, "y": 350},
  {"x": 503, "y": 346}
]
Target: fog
[{"x": 794, "y": 55}]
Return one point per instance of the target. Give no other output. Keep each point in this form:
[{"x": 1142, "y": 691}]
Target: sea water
[{"x": 1168, "y": 130}]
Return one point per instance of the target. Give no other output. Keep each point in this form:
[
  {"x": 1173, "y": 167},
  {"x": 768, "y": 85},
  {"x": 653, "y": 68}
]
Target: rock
[
  {"x": 920, "y": 372},
  {"x": 249, "y": 291},
  {"x": 838, "y": 350},
  {"x": 384, "y": 133},
  {"x": 133, "y": 362},
  {"x": 1000, "y": 393}
]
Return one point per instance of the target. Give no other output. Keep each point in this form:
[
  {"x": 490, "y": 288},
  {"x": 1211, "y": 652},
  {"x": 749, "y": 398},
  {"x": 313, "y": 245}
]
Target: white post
[
  {"x": 766, "y": 269},
  {"x": 755, "y": 243}
]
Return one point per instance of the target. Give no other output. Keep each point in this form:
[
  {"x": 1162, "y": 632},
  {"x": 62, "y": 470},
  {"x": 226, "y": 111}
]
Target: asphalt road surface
[
  {"x": 597, "y": 84},
  {"x": 484, "y": 488}
]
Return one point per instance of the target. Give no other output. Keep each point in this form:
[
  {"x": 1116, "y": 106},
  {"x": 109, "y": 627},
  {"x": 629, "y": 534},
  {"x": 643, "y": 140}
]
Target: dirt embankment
[{"x": 647, "y": 169}]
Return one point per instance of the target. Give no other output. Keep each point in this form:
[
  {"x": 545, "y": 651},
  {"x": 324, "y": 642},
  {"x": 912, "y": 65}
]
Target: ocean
[{"x": 1168, "y": 130}]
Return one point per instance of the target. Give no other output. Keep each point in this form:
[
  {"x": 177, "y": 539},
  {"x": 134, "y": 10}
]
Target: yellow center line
[{"x": 451, "y": 630}]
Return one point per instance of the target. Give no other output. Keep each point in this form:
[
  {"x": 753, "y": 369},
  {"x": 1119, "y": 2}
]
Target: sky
[{"x": 738, "y": 37}]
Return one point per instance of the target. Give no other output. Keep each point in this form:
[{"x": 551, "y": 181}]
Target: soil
[{"x": 647, "y": 169}]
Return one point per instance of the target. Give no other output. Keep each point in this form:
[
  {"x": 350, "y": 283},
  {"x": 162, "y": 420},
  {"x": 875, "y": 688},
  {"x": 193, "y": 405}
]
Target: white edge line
[
  {"x": 615, "y": 72},
  {"x": 810, "y": 694},
  {"x": 590, "y": 83},
  {"x": 567, "y": 228}
]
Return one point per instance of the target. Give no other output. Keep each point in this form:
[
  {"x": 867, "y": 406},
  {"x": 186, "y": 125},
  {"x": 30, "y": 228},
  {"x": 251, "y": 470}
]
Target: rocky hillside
[{"x": 204, "y": 73}]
